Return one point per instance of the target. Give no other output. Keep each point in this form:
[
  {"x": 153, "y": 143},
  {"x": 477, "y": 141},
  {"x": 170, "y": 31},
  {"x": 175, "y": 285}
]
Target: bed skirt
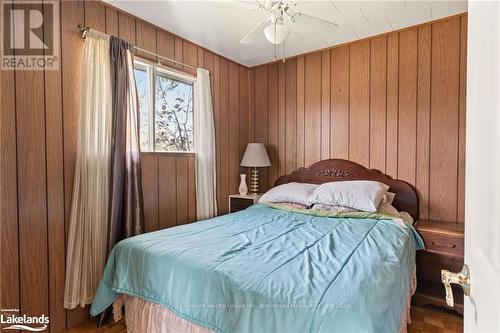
[{"x": 143, "y": 316}]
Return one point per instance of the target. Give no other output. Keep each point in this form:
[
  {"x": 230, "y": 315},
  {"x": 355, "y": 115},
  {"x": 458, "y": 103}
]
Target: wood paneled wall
[
  {"x": 394, "y": 102},
  {"x": 39, "y": 118}
]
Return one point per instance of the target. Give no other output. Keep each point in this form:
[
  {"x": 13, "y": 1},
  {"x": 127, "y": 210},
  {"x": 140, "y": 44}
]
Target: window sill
[{"x": 169, "y": 153}]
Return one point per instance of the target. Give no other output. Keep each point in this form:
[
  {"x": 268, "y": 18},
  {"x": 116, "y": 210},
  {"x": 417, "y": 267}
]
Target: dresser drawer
[
  {"x": 429, "y": 265},
  {"x": 442, "y": 243},
  {"x": 237, "y": 204}
]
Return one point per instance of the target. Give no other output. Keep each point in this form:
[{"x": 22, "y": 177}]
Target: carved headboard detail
[
  {"x": 342, "y": 170},
  {"x": 334, "y": 173}
]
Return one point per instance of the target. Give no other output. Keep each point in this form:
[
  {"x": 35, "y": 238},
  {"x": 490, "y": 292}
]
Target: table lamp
[{"x": 255, "y": 157}]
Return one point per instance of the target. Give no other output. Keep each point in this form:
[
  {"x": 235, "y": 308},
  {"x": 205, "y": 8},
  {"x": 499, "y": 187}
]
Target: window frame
[{"x": 152, "y": 69}]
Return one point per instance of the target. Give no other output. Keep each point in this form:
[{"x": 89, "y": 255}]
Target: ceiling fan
[{"x": 282, "y": 16}]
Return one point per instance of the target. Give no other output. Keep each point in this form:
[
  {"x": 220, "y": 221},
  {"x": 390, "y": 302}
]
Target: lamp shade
[{"x": 255, "y": 156}]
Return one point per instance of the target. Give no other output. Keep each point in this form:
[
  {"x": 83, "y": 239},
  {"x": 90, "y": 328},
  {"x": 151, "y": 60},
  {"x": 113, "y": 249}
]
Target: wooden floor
[
  {"x": 91, "y": 327},
  {"x": 434, "y": 320},
  {"x": 428, "y": 320}
]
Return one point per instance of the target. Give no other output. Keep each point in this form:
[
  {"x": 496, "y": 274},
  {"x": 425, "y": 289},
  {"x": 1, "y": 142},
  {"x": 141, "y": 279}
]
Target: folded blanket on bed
[{"x": 270, "y": 270}]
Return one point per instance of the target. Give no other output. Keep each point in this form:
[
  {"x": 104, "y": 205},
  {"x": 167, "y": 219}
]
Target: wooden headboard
[{"x": 334, "y": 170}]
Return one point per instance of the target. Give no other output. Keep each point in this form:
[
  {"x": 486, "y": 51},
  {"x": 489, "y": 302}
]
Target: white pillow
[
  {"x": 364, "y": 195},
  {"x": 290, "y": 192}
]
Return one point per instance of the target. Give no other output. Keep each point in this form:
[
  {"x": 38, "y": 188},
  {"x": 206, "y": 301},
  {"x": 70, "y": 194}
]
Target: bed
[{"x": 267, "y": 269}]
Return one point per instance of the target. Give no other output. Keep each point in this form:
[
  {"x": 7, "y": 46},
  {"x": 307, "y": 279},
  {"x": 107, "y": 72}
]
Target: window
[{"x": 166, "y": 109}]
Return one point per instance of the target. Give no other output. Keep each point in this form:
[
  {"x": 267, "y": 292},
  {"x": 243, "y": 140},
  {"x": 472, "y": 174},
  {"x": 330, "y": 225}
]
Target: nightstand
[
  {"x": 444, "y": 249},
  {"x": 239, "y": 202}
]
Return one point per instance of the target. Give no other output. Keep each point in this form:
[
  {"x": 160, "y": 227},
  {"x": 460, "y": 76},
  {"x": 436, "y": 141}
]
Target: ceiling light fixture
[
  {"x": 276, "y": 32},
  {"x": 283, "y": 17}
]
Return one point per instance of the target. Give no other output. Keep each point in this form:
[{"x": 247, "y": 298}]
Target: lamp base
[{"x": 254, "y": 181}]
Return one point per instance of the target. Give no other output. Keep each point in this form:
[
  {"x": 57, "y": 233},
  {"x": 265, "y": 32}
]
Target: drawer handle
[{"x": 451, "y": 246}]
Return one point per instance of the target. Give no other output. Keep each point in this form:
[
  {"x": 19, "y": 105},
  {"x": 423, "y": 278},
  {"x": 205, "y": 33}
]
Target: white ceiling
[{"x": 219, "y": 25}]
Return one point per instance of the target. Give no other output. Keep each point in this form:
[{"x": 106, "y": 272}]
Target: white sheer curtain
[
  {"x": 204, "y": 145},
  {"x": 90, "y": 205}
]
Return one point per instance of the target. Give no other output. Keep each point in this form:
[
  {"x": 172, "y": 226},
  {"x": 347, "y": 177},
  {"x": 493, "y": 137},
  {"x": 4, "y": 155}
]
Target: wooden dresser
[{"x": 444, "y": 249}]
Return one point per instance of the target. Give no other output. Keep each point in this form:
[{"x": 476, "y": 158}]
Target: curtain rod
[{"x": 85, "y": 29}]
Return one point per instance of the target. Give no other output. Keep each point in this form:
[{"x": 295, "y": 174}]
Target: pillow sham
[
  {"x": 335, "y": 209},
  {"x": 386, "y": 208},
  {"x": 364, "y": 195},
  {"x": 389, "y": 197},
  {"x": 289, "y": 205},
  {"x": 290, "y": 192}
]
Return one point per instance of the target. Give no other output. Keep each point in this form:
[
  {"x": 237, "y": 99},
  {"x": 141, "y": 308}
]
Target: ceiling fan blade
[
  {"x": 252, "y": 5},
  {"x": 312, "y": 21},
  {"x": 255, "y": 34}
]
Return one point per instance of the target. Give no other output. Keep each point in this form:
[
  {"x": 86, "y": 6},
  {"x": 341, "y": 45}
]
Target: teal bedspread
[{"x": 270, "y": 270}]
